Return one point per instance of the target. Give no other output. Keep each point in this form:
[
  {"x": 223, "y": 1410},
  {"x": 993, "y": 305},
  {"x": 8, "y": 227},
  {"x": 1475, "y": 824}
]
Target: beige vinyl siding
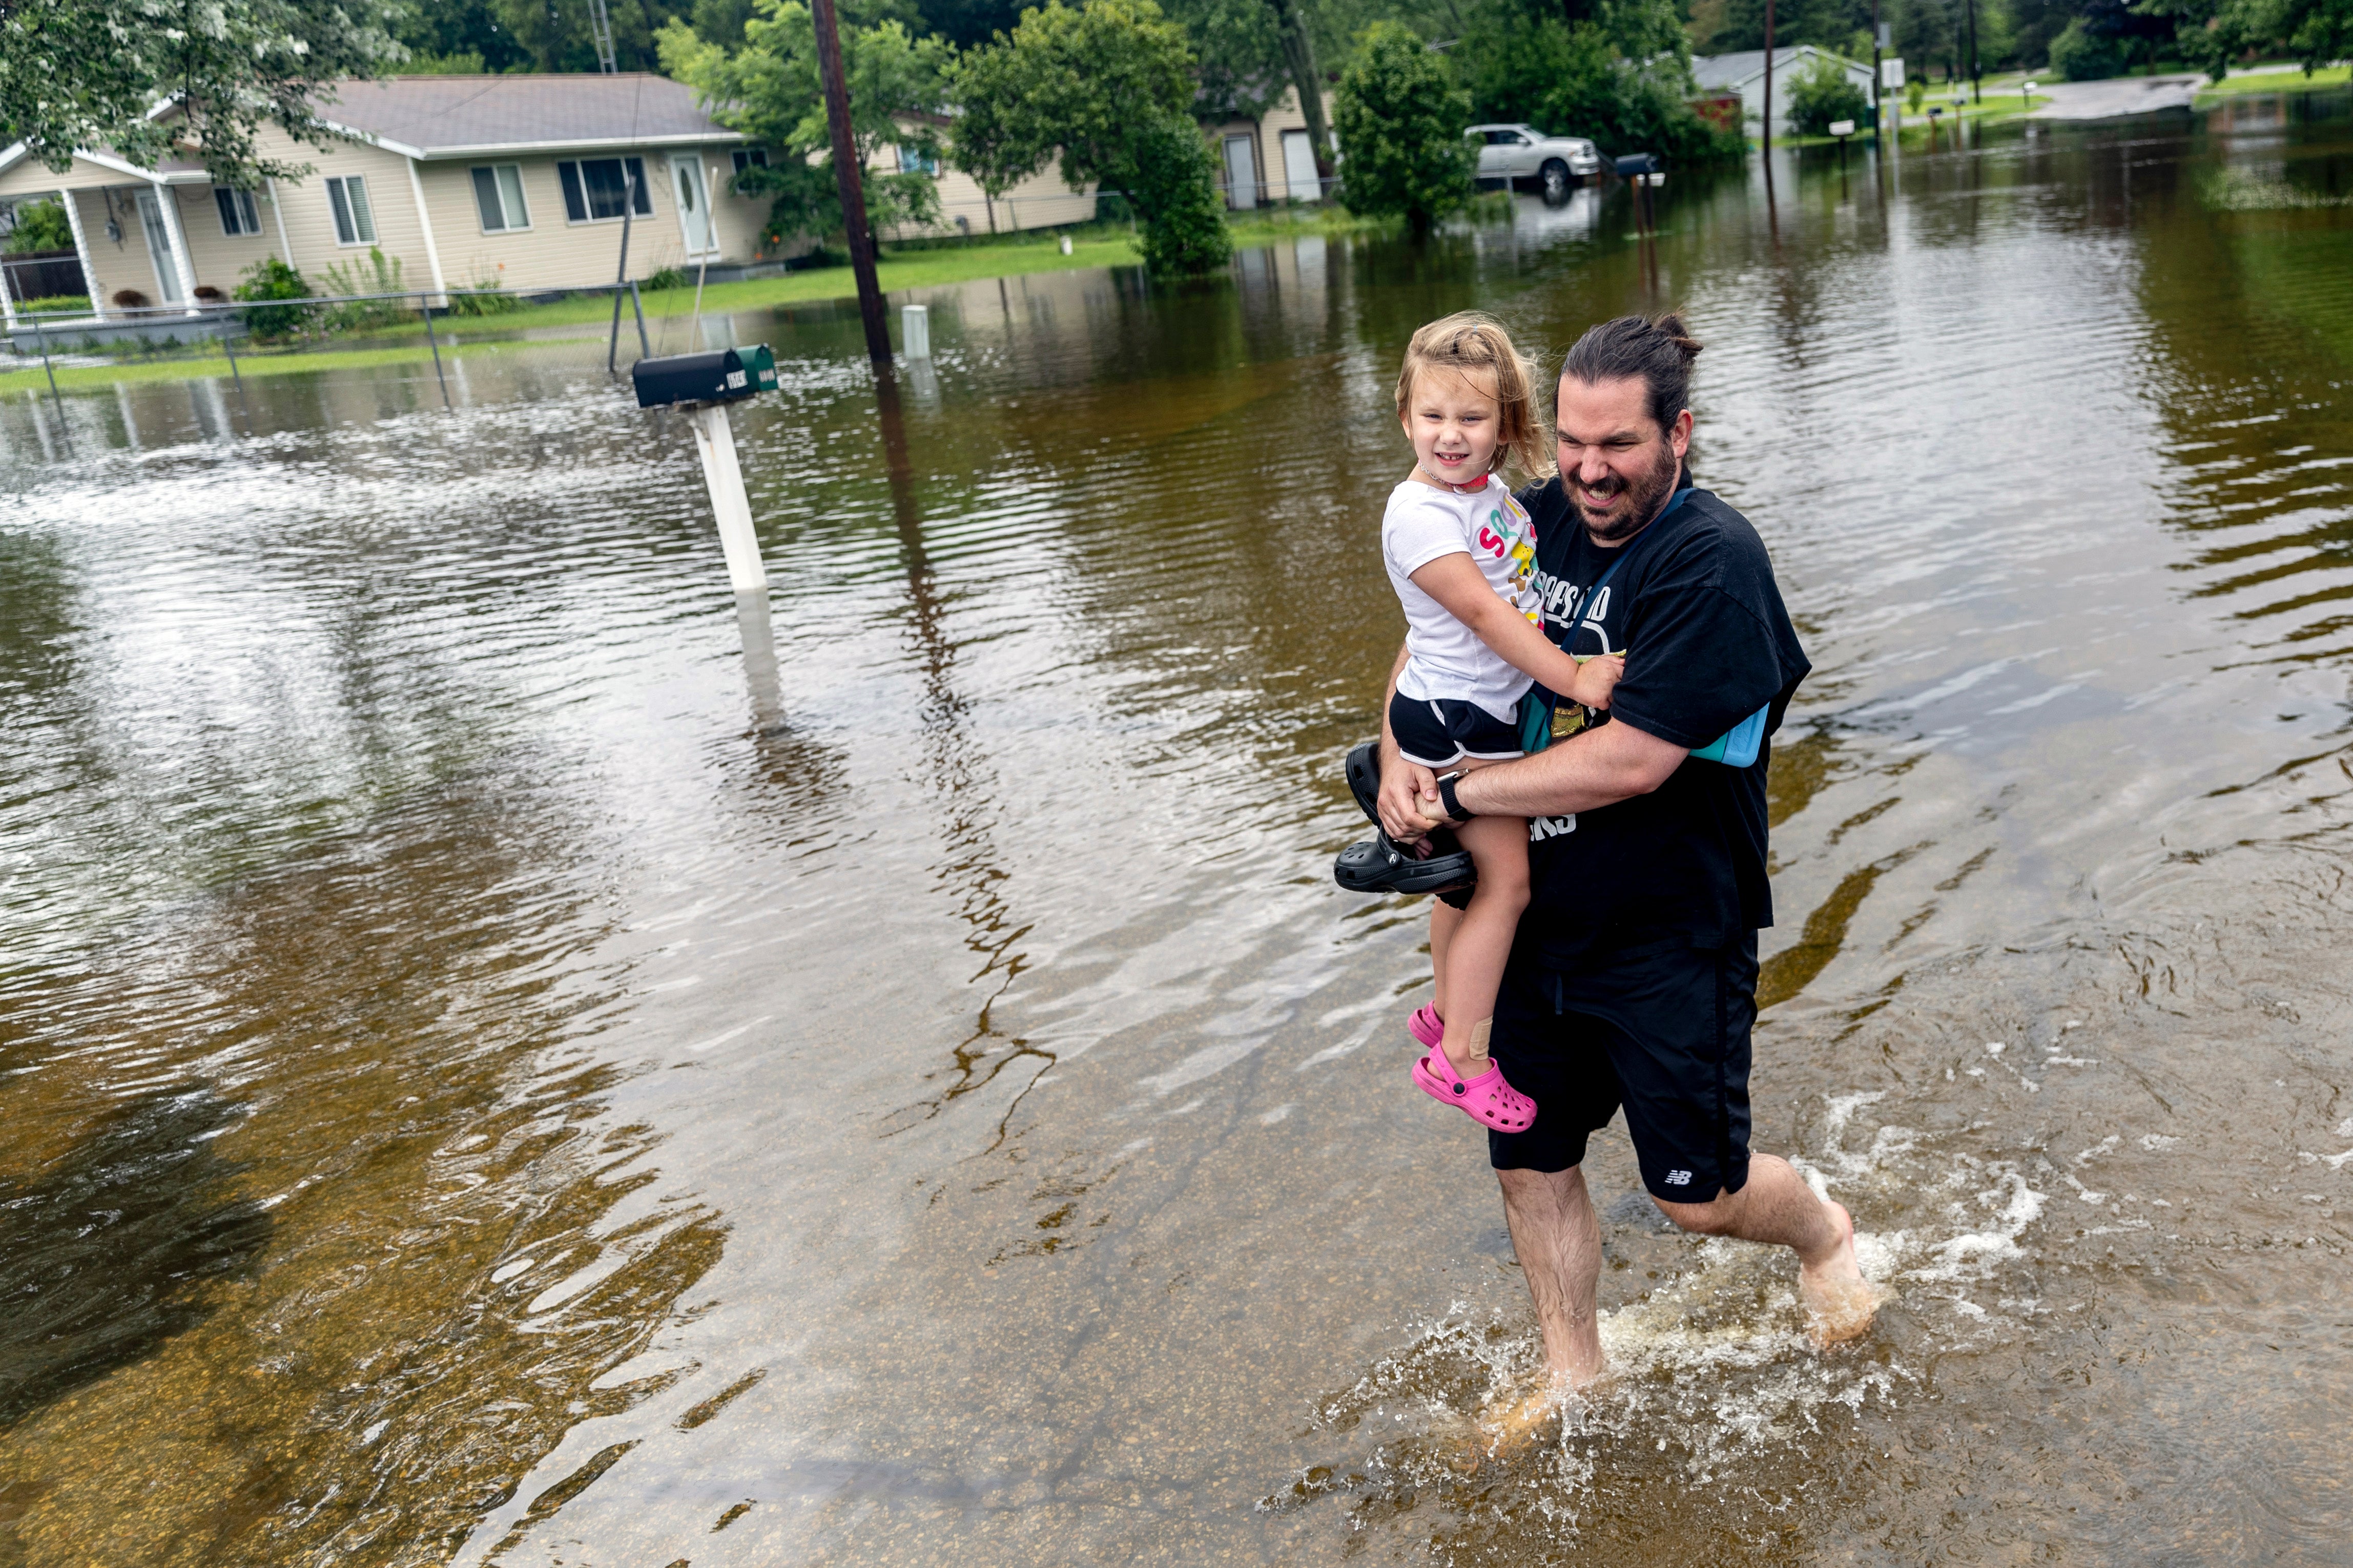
[
  {"x": 556, "y": 253},
  {"x": 123, "y": 264},
  {"x": 219, "y": 259},
  {"x": 1044, "y": 200},
  {"x": 310, "y": 222}
]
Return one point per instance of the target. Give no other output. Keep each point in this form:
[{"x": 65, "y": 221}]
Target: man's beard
[{"x": 1642, "y": 496}]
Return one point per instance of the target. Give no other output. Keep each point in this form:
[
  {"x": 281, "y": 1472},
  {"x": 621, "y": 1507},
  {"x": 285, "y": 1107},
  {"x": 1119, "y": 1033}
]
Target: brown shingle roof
[{"x": 451, "y": 114}]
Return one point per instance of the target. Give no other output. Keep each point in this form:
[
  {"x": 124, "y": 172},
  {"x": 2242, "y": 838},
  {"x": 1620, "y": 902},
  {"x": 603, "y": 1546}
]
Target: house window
[
  {"x": 237, "y": 215},
  {"x": 354, "y": 220},
  {"x": 594, "y": 187},
  {"x": 915, "y": 161},
  {"x": 497, "y": 192},
  {"x": 750, "y": 158}
]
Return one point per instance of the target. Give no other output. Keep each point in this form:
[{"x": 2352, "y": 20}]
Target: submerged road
[{"x": 2116, "y": 99}]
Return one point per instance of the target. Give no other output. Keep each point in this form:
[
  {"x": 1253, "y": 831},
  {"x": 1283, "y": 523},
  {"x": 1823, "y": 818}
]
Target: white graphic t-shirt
[{"x": 1445, "y": 659}]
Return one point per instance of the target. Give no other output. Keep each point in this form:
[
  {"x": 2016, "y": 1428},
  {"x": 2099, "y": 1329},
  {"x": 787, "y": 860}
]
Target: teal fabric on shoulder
[{"x": 1738, "y": 746}]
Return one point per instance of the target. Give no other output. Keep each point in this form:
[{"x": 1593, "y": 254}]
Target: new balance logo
[{"x": 1679, "y": 1178}]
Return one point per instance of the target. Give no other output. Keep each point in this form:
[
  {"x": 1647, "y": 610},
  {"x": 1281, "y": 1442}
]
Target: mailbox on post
[
  {"x": 722, "y": 375},
  {"x": 1635, "y": 164},
  {"x": 703, "y": 386}
]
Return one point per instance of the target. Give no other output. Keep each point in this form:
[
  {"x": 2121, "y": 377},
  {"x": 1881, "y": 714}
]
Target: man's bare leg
[
  {"x": 1778, "y": 1207},
  {"x": 1557, "y": 1238}
]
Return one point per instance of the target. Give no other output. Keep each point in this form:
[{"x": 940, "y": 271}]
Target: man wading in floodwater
[{"x": 1633, "y": 978}]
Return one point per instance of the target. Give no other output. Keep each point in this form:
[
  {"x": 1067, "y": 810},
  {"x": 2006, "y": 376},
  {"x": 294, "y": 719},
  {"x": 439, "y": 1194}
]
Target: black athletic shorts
[
  {"x": 1659, "y": 1027},
  {"x": 1440, "y": 733}
]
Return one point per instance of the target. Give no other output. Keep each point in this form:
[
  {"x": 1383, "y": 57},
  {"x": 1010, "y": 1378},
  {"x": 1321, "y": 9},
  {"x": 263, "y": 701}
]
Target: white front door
[
  {"x": 1241, "y": 173},
  {"x": 1299, "y": 167},
  {"x": 159, "y": 247},
  {"x": 693, "y": 203}
]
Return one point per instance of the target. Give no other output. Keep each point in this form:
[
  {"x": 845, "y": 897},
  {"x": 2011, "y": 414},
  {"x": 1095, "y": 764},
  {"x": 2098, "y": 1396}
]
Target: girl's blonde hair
[{"x": 1471, "y": 344}]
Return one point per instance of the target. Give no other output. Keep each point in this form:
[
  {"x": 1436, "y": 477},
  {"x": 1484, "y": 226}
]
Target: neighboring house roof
[
  {"x": 1716, "y": 73},
  {"x": 458, "y": 116},
  {"x": 469, "y": 116}
]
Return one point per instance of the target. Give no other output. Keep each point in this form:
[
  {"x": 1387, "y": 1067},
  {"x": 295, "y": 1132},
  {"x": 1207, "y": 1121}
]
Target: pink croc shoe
[
  {"x": 1426, "y": 1026},
  {"x": 1486, "y": 1099}
]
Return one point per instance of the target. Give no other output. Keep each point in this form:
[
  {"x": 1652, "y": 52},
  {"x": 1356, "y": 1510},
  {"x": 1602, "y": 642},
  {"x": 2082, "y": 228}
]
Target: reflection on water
[{"x": 521, "y": 1056}]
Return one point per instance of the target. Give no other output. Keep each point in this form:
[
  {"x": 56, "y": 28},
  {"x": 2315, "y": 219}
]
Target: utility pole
[
  {"x": 1768, "y": 92},
  {"x": 849, "y": 181},
  {"x": 1976, "y": 86},
  {"x": 1878, "y": 44}
]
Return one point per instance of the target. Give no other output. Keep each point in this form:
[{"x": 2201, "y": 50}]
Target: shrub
[
  {"x": 484, "y": 297},
  {"x": 665, "y": 278},
  {"x": 273, "y": 280},
  {"x": 1399, "y": 117},
  {"x": 56, "y": 305},
  {"x": 1823, "y": 92},
  {"x": 2080, "y": 54},
  {"x": 379, "y": 274},
  {"x": 1176, "y": 187}
]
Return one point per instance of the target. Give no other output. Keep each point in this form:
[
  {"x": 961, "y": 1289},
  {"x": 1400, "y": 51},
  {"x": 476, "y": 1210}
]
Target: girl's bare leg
[
  {"x": 1481, "y": 938},
  {"x": 1444, "y": 917}
]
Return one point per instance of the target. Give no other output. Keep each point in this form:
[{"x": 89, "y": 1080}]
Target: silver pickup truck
[{"x": 1515, "y": 153}]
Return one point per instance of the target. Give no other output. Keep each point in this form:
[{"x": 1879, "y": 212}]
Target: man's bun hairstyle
[{"x": 1658, "y": 350}]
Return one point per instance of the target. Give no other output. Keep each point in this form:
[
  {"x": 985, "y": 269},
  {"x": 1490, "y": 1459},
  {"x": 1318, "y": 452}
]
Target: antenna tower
[{"x": 600, "y": 29}]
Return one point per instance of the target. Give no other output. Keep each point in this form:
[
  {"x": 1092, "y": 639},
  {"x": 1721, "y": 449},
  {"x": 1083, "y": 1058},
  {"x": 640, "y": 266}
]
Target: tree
[
  {"x": 442, "y": 31},
  {"x": 85, "y": 73},
  {"x": 2212, "y": 33},
  {"x": 1110, "y": 86},
  {"x": 1400, "y": 120},
  {"x": 769, "y": 91},
  {"x": 554, "y": 33},
  {"x": 1822, "y": 94},
  {"x": 39, "y": 226},
  {"x": 2080, "y": 54}
]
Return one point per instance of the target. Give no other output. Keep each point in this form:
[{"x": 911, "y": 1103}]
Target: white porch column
[
  {"x": 170, "y": 204},
  {"x": 432, "y": 252},
  {"x": 81, "y": 253},
  {"x": 7, "y": 301},
  {"x": 278, "y": 211}
]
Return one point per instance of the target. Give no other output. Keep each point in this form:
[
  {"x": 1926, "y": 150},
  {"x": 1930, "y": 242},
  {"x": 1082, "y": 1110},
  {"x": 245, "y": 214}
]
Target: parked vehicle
[{"x": 1515, "y": 153}]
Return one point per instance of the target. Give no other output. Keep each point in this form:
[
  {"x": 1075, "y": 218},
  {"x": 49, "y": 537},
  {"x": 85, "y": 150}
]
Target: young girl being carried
[{"x": 1460, "y": 553}]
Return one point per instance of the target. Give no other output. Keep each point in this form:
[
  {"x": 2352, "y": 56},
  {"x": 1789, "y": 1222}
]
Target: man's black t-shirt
[{"x": 1707, "y": 642}]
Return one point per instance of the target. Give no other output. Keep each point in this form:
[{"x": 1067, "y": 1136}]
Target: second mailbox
[{"x": 722, "y": 375}]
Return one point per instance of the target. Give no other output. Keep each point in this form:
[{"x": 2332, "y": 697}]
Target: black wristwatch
[{"x": 1454, "y": 810}]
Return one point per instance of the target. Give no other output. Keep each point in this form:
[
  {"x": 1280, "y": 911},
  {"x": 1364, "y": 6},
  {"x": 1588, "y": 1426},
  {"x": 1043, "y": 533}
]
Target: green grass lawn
[
  {"x": 2276, "y": 79},
  {"x": 198, "y": 366},
  {"x": 1036, "y": 251}
]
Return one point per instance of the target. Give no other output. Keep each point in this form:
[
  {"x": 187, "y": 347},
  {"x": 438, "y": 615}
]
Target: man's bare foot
[
  {"x": 1517, "y": 1416},
  {"x": 1840, "y": 1302}
]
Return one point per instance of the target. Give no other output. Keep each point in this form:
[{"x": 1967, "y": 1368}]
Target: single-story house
[
  {"x": 1267, "y": 159},
  {"x": 1043, "y": 200},
  {"x": 513, "y": 180},
  {"x": 518, "y": 181},
  {"x": 1743, "y": 72}
]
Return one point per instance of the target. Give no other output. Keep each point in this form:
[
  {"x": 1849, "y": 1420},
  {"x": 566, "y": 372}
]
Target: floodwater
[{"x": 514, "y": 1058}]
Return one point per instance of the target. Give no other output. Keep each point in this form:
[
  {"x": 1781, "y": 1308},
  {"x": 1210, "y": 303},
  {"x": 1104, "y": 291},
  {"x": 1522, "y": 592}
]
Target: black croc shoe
[{"x": 1379, "y": 864}]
